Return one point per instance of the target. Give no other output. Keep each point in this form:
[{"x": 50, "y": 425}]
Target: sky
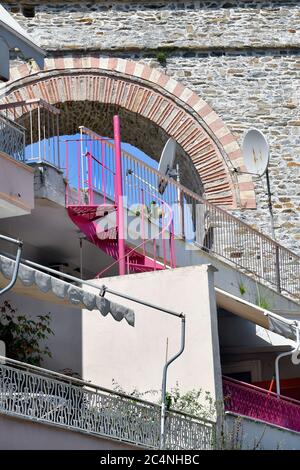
[{"x": 47, "y": 144}]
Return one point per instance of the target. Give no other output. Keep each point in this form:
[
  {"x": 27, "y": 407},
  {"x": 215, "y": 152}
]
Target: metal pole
[
  {"x": 82, "y": 156},
  {"x": 81, "y": 257},
  {"x": 277, "y": 269},
  {"x": 31, "y": 132},
  {"x": 164, "y": 385},
  {"x": 39, "y": 132},
  {"x": 57, "y": 140},
  {"x": 17, "y": 262},
  {"x": 102, "y": 289},
  {"x": 90, "y": 179},
  {"x": 270, "y": 206},
  {"x": 119, "y": 197}
]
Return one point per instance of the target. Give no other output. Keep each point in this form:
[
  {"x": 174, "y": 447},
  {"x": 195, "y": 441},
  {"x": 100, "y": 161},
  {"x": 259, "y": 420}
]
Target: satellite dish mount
[
  {"x": 166, "y": 165},
  {"x": 256, "y": 155}
]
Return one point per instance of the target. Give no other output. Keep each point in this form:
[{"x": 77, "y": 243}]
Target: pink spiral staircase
[
  {"x": 87, "y": 219},
  {"x": 95, "y": 193}
]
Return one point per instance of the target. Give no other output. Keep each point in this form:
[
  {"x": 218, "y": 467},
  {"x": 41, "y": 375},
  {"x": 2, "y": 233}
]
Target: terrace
[
  {"x": 55, "y": 399},
  {"x": 195, "y": 221},
  {"x": 48, "y": 397}
]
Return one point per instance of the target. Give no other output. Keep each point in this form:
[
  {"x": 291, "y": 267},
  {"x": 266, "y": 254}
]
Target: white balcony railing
[
  {"x": 41, "y": 121},
  {"x": 12, "y": 139},
  {"x": 49, "y": 397}
]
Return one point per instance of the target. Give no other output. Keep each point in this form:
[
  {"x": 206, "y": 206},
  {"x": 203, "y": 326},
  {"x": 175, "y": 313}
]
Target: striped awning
[
  {"x": 47, "y": 287},
  {"x": 262, "y": 317}
]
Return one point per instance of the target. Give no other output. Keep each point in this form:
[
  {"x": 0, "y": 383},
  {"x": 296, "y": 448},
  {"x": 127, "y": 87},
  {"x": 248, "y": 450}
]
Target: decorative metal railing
[
  {"x": 12, "y": 139},
  {"x": 254, "y": 402},
  {"x": 49, "y": 397}
]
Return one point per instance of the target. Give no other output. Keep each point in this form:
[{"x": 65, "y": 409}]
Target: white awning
[
  {"x": 12, "y": 35},
  {"x": 49, "y": 288},
  {"x": 269, "y": 320}
]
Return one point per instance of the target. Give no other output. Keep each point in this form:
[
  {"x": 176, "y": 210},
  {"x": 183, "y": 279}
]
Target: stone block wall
[{"x": 242, "y": 57}]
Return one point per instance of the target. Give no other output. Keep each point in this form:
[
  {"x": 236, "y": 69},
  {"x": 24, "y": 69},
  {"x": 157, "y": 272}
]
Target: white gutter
[{"x": 292, "y": 352}]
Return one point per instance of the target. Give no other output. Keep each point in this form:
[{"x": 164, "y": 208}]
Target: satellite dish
[
  {"x": 166, "y": 163},
  {"x": 255, "y": 152}
]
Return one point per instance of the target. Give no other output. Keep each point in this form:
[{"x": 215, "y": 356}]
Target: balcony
[
  {"x": 253, "y": 402},
  {"x": 16, "y": 178},
  {"x": 196, "y": 224},
  {"x": 12, "y": 139},
  {"x": 47, "y": 397}
]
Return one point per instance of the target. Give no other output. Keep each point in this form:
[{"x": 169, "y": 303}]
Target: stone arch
[{"x": 154, "y": 96}]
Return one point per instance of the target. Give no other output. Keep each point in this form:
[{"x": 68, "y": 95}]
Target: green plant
[
  {"x": 135, "y": 393},
  {"x": 242, "y": 288},
  {"x": 230, "y": 437},
  {"x": 161, "y": 57},
  {"x": 201, "y": 404},
  {"x": 193, "y": 402},
  {"x": 23, "y": 335},
  {"x": 262, "y": 302}
]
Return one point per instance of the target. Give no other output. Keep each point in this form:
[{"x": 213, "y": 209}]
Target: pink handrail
[
  {"x": 254, "y": 402},
  {"x": 87, "y": 154},
  {"x": 91, "y": 182}
]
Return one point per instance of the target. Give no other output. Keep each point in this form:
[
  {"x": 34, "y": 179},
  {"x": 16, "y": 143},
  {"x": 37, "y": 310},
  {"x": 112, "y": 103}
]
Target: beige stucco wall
[
  {"x": 16, "y": 187},
  {"x": 134, "y": 357},
  {"x": 22, "y": 434}
]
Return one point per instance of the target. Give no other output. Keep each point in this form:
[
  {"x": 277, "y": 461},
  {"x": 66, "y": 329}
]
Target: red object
[
  {"x": 288, "y": 387},
  {"x": 254, "y": 402}
]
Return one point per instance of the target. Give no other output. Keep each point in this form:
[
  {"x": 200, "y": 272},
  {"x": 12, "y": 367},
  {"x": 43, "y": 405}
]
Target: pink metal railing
[
  {"x": 90, "y": 172},
  {"x": 167, "y": 259},
  {"x": 254, "y": 402},
  {"x": 91, "y": 180}
]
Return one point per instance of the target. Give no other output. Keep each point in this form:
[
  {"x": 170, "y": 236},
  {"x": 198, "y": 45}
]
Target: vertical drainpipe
[
  {"x": 119, "y": 197},
  {"x": 288, "y": 353},
  {"x": 164, "y": 384}
]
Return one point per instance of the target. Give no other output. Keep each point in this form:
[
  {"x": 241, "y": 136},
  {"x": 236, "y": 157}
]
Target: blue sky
[{"x": 48, "y": 143}]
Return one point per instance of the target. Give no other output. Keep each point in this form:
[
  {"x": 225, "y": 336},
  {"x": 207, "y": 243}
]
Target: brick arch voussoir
[{"x": 181, "y": 113}]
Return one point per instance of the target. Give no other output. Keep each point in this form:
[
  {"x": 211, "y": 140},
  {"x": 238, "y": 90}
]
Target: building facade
[
  {"x": 241, "y": 58},
  {"x": 201, "y": 73}
]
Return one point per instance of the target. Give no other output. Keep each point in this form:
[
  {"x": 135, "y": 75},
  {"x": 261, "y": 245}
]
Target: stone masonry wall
[{"x": 242, "y": 57}]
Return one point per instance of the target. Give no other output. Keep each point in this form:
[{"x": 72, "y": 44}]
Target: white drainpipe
[{"x": 288, "y": 353}]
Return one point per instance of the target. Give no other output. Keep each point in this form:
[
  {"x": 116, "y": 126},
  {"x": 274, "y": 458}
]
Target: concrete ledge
[{"x": 17, "y": 433}]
